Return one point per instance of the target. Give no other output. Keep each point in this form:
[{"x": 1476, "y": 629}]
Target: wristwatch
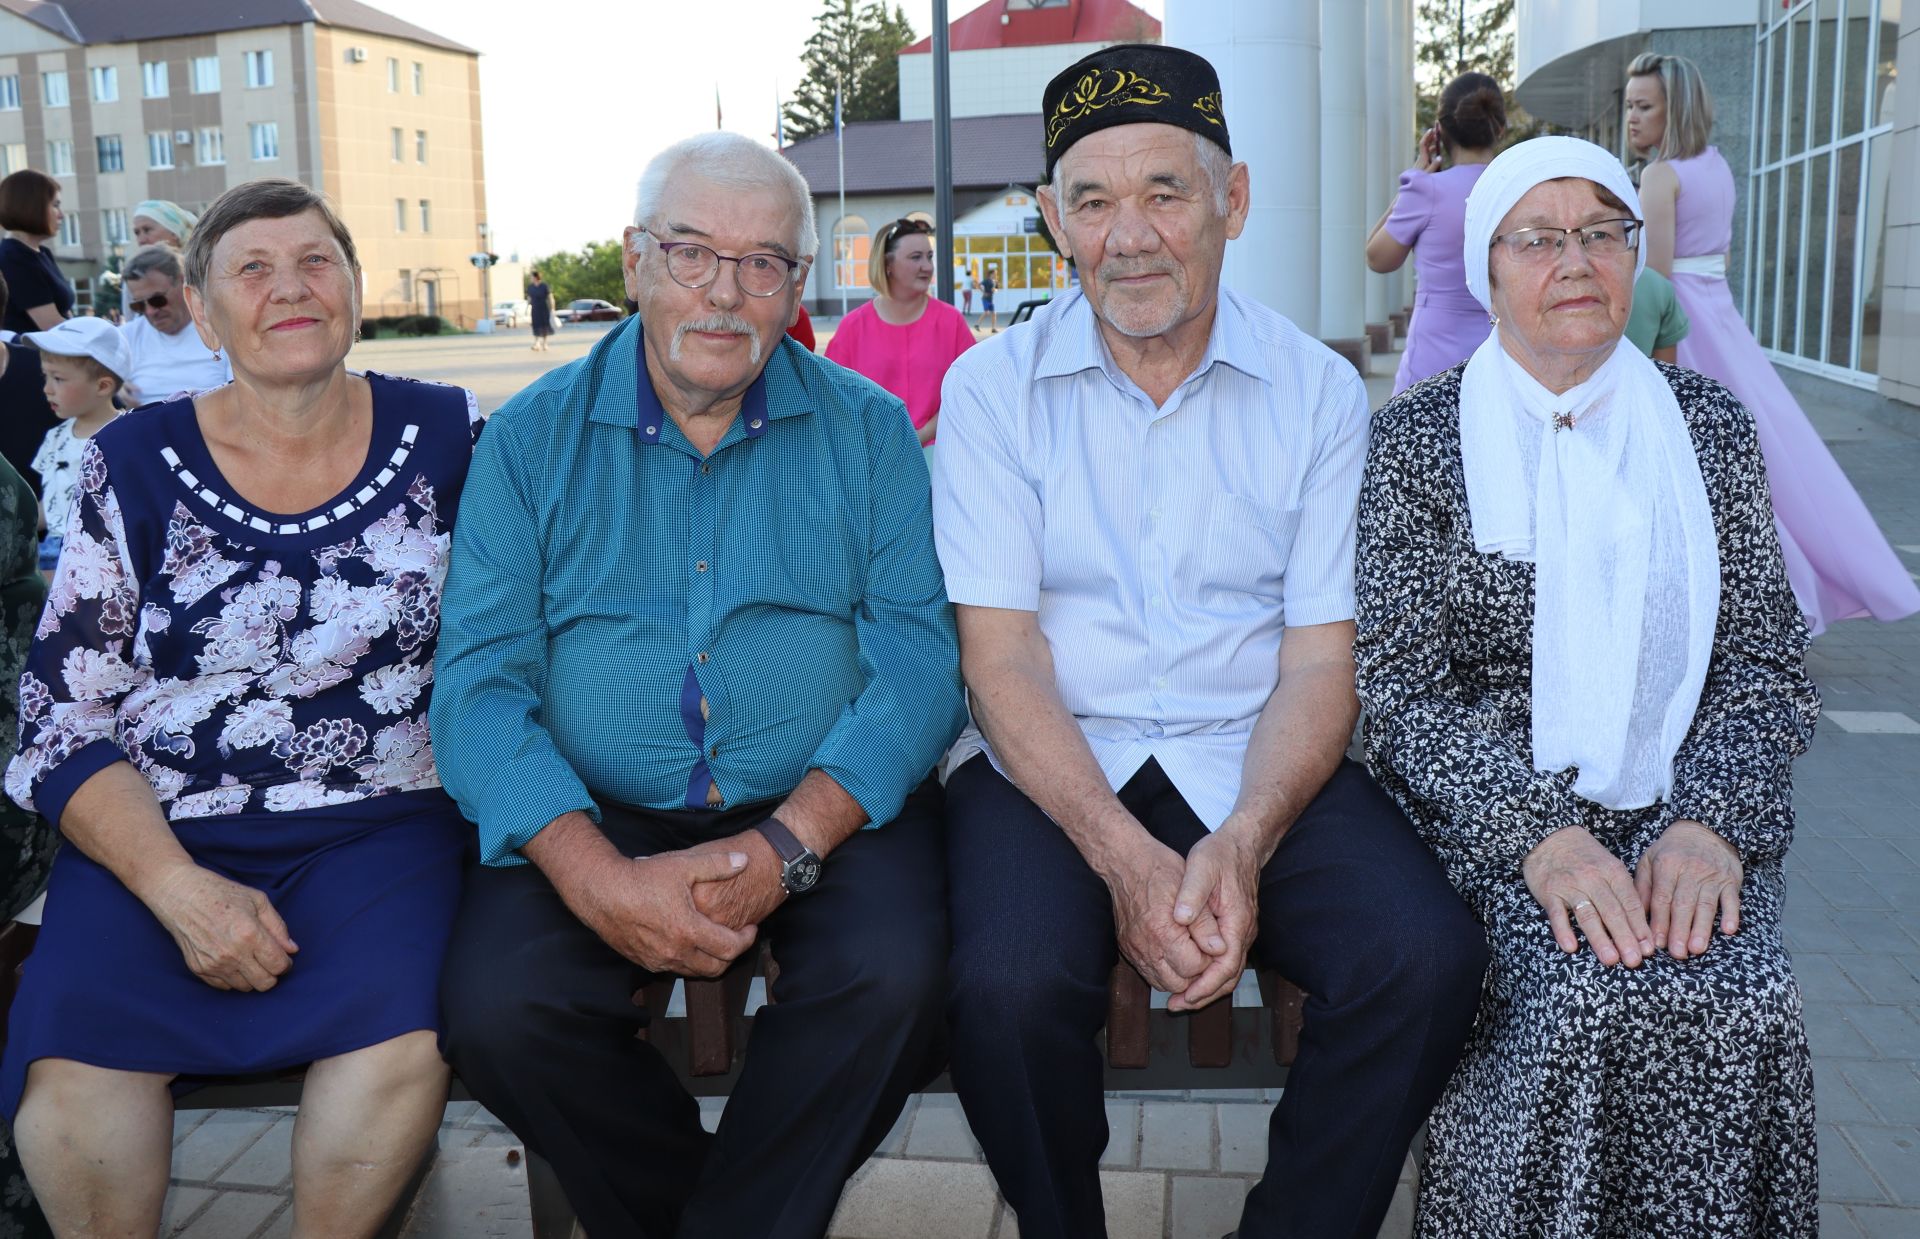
[{"x": 799, "y": 866}]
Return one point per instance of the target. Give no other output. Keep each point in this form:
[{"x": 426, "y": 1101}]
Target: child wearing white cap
[{"x": 84, "y": 361}]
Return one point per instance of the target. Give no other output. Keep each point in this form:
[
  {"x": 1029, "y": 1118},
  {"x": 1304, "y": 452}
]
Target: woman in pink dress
[
  {"x": 903, "y": 339},
  {"x": 1837, "y": 559},
  {"x": 1426, "y": 220}
]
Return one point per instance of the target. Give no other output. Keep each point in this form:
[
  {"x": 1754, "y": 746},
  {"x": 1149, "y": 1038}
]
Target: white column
[
  {"x": 1343, "y": 169},
  {"x": 1380, "y": 171},
  {"x": 1267, "y": 53},
  {"x": 1400, "y": 128}
]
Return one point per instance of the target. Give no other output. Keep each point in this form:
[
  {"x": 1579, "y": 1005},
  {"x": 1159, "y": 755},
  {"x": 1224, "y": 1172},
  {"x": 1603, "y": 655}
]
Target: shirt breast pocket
[{"x": 1247, "y": 546}]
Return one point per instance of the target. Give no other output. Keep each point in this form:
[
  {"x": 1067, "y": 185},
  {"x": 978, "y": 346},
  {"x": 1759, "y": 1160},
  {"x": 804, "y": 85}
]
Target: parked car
[
  {"x": 590, "y": 310},
  {"x": 512, "y": 313}
]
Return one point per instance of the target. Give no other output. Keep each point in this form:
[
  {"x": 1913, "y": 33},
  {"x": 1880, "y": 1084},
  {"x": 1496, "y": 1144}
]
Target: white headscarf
[{"x": 1611, "y": 509}]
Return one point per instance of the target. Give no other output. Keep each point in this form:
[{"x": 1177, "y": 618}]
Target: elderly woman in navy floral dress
[{"x": 225, "y": 712}]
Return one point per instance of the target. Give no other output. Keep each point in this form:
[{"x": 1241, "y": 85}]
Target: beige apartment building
[{"x": 180, "y": 99}]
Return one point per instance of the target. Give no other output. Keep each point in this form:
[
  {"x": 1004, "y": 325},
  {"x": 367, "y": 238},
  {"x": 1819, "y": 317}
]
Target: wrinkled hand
[
  {"x": 1688, "y": 875},
  {"x": 1577, "y": 880},
  {"x": 748, "y": 897},
  {"x": 1222, "y": 886},
  {"x": 645, "y": 910},
  {"x": 1144, "y": 894},
  {"x": 229, "y": 934}
]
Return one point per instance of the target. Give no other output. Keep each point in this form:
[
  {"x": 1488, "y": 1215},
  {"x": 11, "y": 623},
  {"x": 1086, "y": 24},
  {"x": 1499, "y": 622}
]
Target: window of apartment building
[
  {"x": 107, "y": 148},
  {"x": 210, "y": 146},
  {"x": 426, "y": 215},
  {"x": 399, "y": 144},
  {"x": 399, "y": 214},
  {"x": 60, "y": 156},
  {"x": 70, "y": 229},
  {"x": 153, "y": 79},
  {"x": 393, "y": 76},
  {"x": 13, "y": 157},
  {"x": 10, "y": 93},
  {"x": 264, "y": 139},
  {"x": 419, "y": 146},
  {"x": 406, "y": 285},
  {"x": 206, "y": 75},
  {"x": 53, "y": 88},
  {"x": 105, "y": 83},
  {"x": 259, "y": 69},
  {"x": 419, "y": 78},
  {"x": 116, "y": 224},
  {"x": 160, "y": 150}
]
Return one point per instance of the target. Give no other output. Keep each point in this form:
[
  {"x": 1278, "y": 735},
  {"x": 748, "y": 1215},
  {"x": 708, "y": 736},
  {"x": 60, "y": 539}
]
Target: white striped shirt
[{"x": 1164, "y": 549}]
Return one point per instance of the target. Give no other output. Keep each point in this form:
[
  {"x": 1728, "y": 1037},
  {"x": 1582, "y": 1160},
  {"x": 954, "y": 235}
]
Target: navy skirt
[{"x": 368, "y": 890}]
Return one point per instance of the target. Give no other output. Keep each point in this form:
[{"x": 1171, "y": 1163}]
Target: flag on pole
[{"x": 716, "y": 107}]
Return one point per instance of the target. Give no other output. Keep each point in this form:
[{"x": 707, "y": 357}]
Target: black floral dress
[{"x": 1672, "y": 1099}]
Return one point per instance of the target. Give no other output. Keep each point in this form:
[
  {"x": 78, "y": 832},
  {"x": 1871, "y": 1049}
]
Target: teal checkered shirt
[{"x": 605, "y": 578}]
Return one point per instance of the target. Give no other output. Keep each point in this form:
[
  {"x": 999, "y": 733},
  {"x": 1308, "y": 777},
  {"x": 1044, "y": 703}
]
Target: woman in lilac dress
[
  {"x": 1426, "y": 220},
  {"x": 1837, "y": 559},
  {"x": 225, "y": 713}
]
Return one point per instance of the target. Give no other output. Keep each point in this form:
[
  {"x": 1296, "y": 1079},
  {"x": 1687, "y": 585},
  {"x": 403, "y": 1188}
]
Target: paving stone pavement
[{"x": 1179, "y": 1163}]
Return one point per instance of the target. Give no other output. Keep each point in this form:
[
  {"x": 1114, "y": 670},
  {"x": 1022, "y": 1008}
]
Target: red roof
[{"x": 1077, "y": 21}]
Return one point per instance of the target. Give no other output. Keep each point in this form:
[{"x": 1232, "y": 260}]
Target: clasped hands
[
  {"x": 690, "y": 912},
  {"x": 1187, "y": 925},
  {"x": 1683, "y": 882}
]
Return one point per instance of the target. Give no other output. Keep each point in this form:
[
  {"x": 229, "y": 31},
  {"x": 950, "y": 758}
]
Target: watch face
[{"x": 801, "y": 874}]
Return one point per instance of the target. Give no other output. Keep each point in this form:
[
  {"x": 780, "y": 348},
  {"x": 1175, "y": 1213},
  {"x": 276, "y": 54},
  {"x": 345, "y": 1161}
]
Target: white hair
[
  {"x": 731, "y": 161},
  {"x": 1216, "y": 163}
]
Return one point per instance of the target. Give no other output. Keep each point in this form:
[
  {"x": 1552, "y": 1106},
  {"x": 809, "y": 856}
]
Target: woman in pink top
[
  {"x": 1837, "y": 559},
  {"x": 903, "y": 339},
  {"x": 1427, "y": 219}
]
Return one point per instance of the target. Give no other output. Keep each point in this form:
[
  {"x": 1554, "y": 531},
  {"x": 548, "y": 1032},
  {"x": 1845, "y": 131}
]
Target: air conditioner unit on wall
[
  {"x": 181, "y": 137},
  {"x": 358, "y": 55}
]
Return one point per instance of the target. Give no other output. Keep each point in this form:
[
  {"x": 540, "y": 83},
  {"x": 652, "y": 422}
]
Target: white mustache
[{"x": 721, "y": 322}]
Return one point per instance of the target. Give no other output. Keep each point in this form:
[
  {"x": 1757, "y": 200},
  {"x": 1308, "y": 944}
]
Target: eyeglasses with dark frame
[
  {"x": 1607, "y": 238},
  {"x": 908, "y": 227},
  {"x": 156, "y": 302},
  {"x": 693, "y": 265}
]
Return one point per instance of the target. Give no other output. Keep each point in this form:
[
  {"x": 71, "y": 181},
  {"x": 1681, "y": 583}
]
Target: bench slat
[{"x": 1127, "y": 1002}]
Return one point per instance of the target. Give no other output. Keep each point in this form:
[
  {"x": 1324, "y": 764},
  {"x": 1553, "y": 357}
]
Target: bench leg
[{"x": 552, "y": 1213}]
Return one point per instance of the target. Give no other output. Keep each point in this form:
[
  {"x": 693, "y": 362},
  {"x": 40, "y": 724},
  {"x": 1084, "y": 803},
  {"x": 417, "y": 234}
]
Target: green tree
[
  {"x": 852, "y": 45},
  {"x": 1452, "y": 37},
  {"x": 591, "y": 271}
]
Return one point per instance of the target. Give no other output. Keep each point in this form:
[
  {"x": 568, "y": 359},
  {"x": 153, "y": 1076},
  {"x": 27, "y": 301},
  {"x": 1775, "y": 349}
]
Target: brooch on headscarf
[{"x": 1563, "y": 421}]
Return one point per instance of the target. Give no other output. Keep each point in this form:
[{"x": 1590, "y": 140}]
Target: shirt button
[
  {"x": 754, "y": 424},
  {"x": 1160, "y": 682},
  {"x": 714, "y": 751},
  {"x": 700, "y": 657},
  {"x": 1155, "y": 514},
  {"x": 653, "y": 430},
  {"x": 706, "y": 467},
  {"x": 701, "y": 566}
]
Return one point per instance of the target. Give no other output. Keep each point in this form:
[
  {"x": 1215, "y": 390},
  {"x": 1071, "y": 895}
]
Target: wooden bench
[{"x": 1223, "y": 1047}]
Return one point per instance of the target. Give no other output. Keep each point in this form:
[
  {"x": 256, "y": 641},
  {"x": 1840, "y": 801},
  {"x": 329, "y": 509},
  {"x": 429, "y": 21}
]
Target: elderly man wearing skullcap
[{"x": 1145, "y": 513}]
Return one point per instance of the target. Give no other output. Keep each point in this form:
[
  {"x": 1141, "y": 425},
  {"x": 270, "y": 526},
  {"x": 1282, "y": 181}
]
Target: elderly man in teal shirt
[{"x": 696, "y": 664}]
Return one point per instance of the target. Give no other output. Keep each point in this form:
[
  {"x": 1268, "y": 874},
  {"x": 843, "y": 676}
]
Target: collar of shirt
[
  {"x": 624, "y": 395},
  {"x": 1077, "y": 345}
]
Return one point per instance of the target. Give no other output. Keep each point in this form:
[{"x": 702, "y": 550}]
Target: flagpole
[{"x": 840, "y": 151}]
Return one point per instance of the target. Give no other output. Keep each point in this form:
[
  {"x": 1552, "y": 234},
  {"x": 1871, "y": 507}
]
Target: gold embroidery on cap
[
  {"x": 1101, "y": 88},
  {"x": 1208, "y": 105}
]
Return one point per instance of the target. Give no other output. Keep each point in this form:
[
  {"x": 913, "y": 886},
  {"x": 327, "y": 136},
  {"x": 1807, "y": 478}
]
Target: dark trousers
[
  {"x": 540, "y": 1025},
  {"x": 1353, "y": 908}
]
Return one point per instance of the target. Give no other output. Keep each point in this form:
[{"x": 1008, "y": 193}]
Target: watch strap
[{"x": 785, "y": 845}]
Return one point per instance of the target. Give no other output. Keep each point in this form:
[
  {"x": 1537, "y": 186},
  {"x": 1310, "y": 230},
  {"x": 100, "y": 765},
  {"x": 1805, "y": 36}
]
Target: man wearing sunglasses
[
  {"x": 168, "y": 355},
  {"x": 694, "y": 640}
]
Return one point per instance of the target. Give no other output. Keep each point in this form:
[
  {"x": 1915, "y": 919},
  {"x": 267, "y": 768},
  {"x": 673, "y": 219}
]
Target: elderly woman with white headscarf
[{"x": 1582, "y": 667}]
